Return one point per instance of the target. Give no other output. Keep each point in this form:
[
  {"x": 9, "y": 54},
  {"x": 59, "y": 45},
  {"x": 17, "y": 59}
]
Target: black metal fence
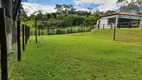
[{"x": 16, "y": 38}]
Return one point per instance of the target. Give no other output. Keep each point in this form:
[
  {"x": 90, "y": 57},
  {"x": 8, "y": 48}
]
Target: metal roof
[{"x": 123, "y": 13}]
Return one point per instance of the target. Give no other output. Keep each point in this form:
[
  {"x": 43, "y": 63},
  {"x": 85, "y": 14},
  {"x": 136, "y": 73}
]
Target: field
[{"x": 83, "y": 56}]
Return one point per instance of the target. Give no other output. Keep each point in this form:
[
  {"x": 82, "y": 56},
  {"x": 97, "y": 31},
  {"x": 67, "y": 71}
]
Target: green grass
[
  {"x": 85, "y": 56},
  {"x": 133, "y": 35}
]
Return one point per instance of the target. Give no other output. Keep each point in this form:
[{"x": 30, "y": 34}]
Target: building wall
[{"x": 104, "y": 22}]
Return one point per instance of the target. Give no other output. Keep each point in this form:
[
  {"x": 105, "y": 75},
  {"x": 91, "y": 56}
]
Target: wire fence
[
  {"x": 56, "y": 31},
  {"x": 10, "y": 33}
]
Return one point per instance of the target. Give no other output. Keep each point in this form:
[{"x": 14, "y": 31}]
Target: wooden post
[
  {"x": 114, "y": 35},
  {"x": 130, "y": 25},
  {"x": 26, "y": 34},
  {"x": 111, "y": 26},
  {"x": 4, "y": 70},
  {"x": 36, "y": 31},
  {"x": 76, "y": 29},
  {"x": 23, "y": 37},
  {"x": 18, "y": 38},
  {"x": 119, "y": 25},
  {"x": 140, "y": 24},
  {"x": 39, "y": 31},
  {"x": 103, "y": 26}
]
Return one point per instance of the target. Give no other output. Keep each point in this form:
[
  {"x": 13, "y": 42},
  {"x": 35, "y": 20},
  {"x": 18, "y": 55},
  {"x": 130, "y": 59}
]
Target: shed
[{"x": 120, "y": 20}]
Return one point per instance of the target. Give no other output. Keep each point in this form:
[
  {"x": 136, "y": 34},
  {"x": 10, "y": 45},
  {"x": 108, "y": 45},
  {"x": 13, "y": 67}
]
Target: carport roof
[{"x": 123, "y": 13}]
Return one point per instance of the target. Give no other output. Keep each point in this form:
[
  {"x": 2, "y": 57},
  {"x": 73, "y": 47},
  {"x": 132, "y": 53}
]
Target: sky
[{"x": 47, "y": 6}]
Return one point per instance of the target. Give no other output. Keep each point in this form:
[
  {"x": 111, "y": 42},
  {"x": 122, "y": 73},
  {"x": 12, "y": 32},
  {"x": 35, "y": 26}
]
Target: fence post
[
  {"x": 103, "y": 26},
  {"x": 4, "y": 70},
  {"x": 18, "y": 37},
  {"x": 119, "y": 25},
  {"x": 114, "y": 34},
  {"x": 129, "y": 25},
  {"x": 26, "y": 31},
  {"x": 111, "y": 26},
  {"x": 36, "y": 31},
  {"x": 23, "y": 37}
]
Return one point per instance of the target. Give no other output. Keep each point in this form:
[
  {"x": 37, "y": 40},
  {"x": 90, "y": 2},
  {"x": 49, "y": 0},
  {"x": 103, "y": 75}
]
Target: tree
[
  {"x": 64, "y": 8},
  {"x": 59, "y": 8},
  {"x": 139, "y": 3},
  {"x": 109, "y": 12},
  {"x": 131, "y": 7}
]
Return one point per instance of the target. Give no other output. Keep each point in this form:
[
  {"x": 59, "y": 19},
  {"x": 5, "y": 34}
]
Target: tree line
[{"x": 66, "y": 16}]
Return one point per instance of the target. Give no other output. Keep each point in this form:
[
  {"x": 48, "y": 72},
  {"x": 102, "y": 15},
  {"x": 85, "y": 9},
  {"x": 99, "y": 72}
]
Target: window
[{"x": 111, "y": 21}]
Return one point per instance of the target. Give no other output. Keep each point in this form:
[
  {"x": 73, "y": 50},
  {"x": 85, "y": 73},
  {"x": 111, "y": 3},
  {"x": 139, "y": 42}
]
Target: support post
[
  {"x": 18, "y": 37},
  {"x": 36, "y": 31},
  {"x": 4, "y": 70},
  {"x": 119, "y": 25},
  {"x": 116, "y": 22},
  {"x": 103, "y": 26},
  {"x": 140, "y": 24},
  {"x": 26, "y": 34},
  {"x": 130, "y": 25},
  {"x": 114, "y": 34},
  {"x": 23, "y": 37},
  {"x": 111, "y": 26}
]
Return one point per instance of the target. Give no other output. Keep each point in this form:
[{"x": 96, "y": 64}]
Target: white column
[{"x": 116, "y": 23}]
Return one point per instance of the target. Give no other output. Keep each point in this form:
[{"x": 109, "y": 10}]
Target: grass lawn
[{"x": 85, "y": 56}]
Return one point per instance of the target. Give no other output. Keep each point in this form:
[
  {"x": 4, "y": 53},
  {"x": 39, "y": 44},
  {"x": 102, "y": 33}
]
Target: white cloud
[
  {"x": 107, "y": 7},
  {"x": 96, "y": 1},
  {"x": 30, "y": 8},
  {"x": 104, "y": 4}
]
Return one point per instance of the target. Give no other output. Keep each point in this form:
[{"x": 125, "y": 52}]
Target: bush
[{"x": 69, "y": 30}]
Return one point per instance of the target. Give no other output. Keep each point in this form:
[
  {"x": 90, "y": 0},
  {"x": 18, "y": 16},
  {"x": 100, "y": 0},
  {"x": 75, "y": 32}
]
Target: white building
[{"x": 120, "y": 20}]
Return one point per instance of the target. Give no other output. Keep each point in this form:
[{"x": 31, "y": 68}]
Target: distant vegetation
[
  {"x": 66, "y": 18},
  {"x": 69, "y": 20}
]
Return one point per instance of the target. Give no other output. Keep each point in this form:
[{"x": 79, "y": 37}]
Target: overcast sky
[{"x": 47, "y": 6}]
